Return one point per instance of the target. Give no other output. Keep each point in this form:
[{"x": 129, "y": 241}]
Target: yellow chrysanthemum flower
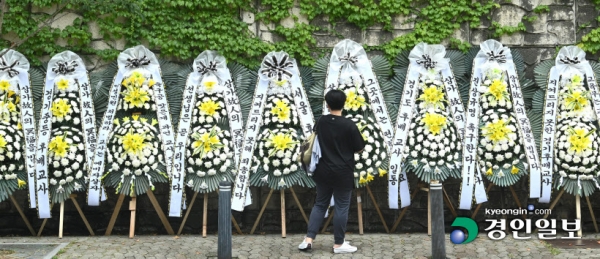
[
  {"x": 498, "y": 89},
  {"x": 281, "y": 110},
  {"x": 62, "y": 84},
  {"x": 370, "y": 177},
  {"x": 4, "y": 85},
  {"x": 58, "y": 146},
  {"x": 209, "y": 107},
  {"x": 354, "y": 100},
  {"x": 2, "y": 144},
  {"x": 514, "y": 170},
  {"x": 134, "y": 143},
  {"x": 20, "y": 183},
  {"x": 489, "y": 172},
  {"x": 382, "y": 172},
  {"x": 434, "y": 122},
  {"x": 576, "y": 100},
  {"x": 61, "y": 108},
  {"x": 206, "y": 142},
  {"x": 433, "y": 96},
  {"x": 136, "y": 96},
  {"x": 579, "y": 139},
  {"x": 496, "y": 131}
]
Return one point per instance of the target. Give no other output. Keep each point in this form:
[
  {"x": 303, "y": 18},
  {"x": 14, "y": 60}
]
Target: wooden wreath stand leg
[
  {"x": 133, "y": 208},
  {"x": 387, "y": 230},
  {"x": 423, "y": 187},
  {"x": 282, "y": 195},
  {"x": 204, "y": 217},
  {"x": 587, "y": 198},
  {"x": 62, "y": 219},
  {"x": 14, "y": 201}
]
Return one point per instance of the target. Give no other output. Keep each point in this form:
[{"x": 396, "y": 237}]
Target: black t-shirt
[{"x": 339, "y": 139}]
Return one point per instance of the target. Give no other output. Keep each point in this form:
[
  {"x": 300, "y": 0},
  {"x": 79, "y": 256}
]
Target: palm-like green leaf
[
  {"x": 535, "y": 121},
  {"x": 243, "y": 78},
  {"x": 539, "y": 98},
  {"x": 381, "y": 66},
  {"x": 315, "y": 92},
  {"x": 37, "y": 76},
  {"x": 457, "y": 61},
  {"x": 541, "y": 73}
]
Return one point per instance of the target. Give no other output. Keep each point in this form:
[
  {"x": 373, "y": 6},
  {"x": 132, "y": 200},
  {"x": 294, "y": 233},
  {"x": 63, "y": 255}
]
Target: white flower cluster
[
  {"x": 367, "y": 163},
  {"x": 500, "y": 149},
  {"x": 134, "y": 156},
  {"x": 65, "y": 108},
  {"x": 11, "y": 152},
  {"x": 494, "y": 90},
  {"x": 280, "y": 111},
  {"x": 277, "y": 152},
  {"x": 575, "y": 98},
  {"x": 216, "y": 158},
  {"x": 209, "y": 109},
  {"x": 10, "y": 108},
  {"x": 66, "y": 160},
  {"x": 576, "y": 149}
]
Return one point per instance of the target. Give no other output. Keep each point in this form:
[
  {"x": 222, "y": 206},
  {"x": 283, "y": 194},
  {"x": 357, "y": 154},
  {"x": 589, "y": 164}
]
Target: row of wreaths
[{"x": 434, "y": 114}]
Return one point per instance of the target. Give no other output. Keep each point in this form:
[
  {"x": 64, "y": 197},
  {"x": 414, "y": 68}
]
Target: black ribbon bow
[
  {"x": 568, "y": 60},
  {"x": 210, "y": 68},
  {"x": 426, "y": 62},
  {"x": 500, "y": 57},
  {"x": 352, "y": 59},
  {"x": 137, "y": 62},
  {"x": 277, "y": 68},
  {"x": 65, "y": 67},
  {"x": 10, "y": 69}
]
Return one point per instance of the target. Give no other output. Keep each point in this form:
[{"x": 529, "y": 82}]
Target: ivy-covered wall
[{"x": 245, "y": 30}]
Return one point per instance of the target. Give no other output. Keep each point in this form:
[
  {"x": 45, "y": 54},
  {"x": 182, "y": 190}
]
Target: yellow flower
[
  {"x": 136, "y": 96},
  {"x": 354, "y": 100},
  {"x": 126, "y": 82},
  {"x": 434, "y": 122},
  {"x": 514, "y": 170},
  {"x": 209, "y": 108},
  {"x": 206, "y": 142},
  {"x": 579, "y": 139},
  {"x": 20, "y": 183},
  {"x": 126, "y": 119},
  {"x": 576, "y": 100},
  {"x": 489, "y": 172},
  {"x": 133, "y": 143},
  {"x": 116, "y": 122},
  {"x": 135, "y": 117},
  {"x": 576, "y": 79},
  {"x": 136, "y": 75},
  {"x": 154, "y": 122},
  {"x": 151, "y": 83},
  {"x": 2, "y": 144},
  {"x": 144, "y": 120},
  {"x": 61, "y": 108},
  {"x": 63, "y": 84},
  {"x": 382, "y": 172},
  {"x": 432, "y": 96},
  {"x": 4, "y": 85},
  {"x": 209, "y": 84},
  {"x": 280, "y": 142},
  {"x": 496, "y": 131},
  {"x": 362, "y": 180},
  {"x": 370, "y": 177},
  {"x": 140, "y": 81},
  {"x": 498, "y": 89},
  {"x": 281, "y": 83},
  {"x": 58, "y": 146},
  {"x": 19, "y": 126},
  {"x": 281, "y": 110}
]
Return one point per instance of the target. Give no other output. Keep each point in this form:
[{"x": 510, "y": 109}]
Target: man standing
[{"x": 339, "y": 139}]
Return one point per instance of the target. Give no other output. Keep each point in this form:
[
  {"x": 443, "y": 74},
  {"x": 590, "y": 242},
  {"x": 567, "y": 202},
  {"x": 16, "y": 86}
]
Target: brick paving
[{"x": 274, "y": 246}]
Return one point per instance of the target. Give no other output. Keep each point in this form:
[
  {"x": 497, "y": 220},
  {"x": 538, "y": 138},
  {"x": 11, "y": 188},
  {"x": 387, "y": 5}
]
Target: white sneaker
[
  {"x": 345, "y": 248},
  {"x": 305, "y": 246}
]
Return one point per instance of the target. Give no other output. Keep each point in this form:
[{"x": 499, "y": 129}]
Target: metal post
[
  {"x": 438, "y": 244},
  {"x": 224, "y": 238}
]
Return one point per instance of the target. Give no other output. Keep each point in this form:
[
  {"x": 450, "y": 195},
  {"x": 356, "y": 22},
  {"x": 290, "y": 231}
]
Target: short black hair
[{"x": 335, "y": 99}]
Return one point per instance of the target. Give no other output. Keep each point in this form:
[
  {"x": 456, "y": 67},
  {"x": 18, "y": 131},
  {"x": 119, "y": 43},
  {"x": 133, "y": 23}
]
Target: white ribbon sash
[
  {"x": 209, "y": 62},
  {"x": 548, "y": 133},
  {"x": 14, "y": 64},
  {"x": 132, "y": 58},
  {"x": 275, "y": 65},
  {"x": 456, "y": 106}
]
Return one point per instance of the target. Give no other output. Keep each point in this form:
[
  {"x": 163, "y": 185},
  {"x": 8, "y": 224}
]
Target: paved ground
[{"x": 273, "y": 246}]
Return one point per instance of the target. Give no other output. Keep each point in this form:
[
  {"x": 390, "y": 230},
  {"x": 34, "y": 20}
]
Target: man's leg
[
  {"x": 340, "y": 217},
  {"x": 318, "y": 212}
]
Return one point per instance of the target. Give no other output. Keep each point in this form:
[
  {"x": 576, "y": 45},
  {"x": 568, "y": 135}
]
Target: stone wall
[{"x": 566, "y": 22}]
